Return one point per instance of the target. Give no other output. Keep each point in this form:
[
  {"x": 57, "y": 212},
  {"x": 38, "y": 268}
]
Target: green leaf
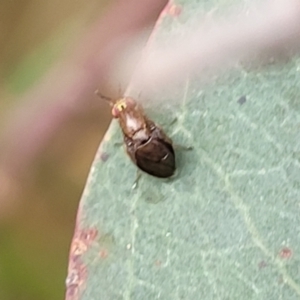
[{"x": 226, "y": 227}]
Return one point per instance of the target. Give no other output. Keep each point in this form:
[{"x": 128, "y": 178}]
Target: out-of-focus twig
[{"x": 267, "y": 28}]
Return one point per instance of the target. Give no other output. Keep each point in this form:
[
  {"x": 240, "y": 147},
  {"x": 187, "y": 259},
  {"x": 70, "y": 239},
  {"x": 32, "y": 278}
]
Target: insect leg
[
  {"x": 138, "y": 177},
  {"x": 183, "y": 147},
  {"x": 173, "y": 121}
]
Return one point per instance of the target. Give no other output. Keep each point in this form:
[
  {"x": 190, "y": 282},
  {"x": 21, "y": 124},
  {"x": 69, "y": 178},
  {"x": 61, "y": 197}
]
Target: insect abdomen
[{"x": 156, "y": 158}]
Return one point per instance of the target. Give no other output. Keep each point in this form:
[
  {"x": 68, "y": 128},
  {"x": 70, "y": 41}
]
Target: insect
[{"x": 146, "y": 143}]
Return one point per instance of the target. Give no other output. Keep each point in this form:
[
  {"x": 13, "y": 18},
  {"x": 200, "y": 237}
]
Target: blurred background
[
  {"x": 47, "y": 149},
  {"x": 37, "y": 221}
]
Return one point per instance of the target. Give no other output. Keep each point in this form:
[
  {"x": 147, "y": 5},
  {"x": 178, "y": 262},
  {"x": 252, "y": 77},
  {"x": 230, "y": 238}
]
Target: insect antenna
[{"x": 107, "y": 99}]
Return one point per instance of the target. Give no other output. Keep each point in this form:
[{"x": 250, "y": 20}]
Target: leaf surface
[{"x": 227, "y": 226}]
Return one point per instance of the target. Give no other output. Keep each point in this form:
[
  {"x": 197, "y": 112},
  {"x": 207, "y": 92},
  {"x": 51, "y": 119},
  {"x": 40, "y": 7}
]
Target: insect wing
[{"x": 156, "y": 158}]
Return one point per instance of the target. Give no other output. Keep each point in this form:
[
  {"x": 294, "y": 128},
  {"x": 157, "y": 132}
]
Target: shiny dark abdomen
[{"x": 156, "y": 158}]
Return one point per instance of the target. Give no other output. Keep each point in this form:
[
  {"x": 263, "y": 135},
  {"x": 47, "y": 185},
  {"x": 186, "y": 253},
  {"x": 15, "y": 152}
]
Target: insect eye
[{"x": 115, "y": 112}]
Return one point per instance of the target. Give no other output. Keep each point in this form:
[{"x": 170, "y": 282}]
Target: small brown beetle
[{"x": 146, "y": 144}]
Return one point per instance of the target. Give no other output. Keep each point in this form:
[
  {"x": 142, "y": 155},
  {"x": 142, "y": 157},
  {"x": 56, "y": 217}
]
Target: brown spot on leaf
[
  {"x": 76, "y": 280},
  {"x": 242, "y": 100},
  {"x": 157, "y": 263},
  {"x": 285, "y": 253},
  {"x": 78, "y": 247},
  {"x": 88, "y": 235},
  {"x": 262, "y": 264},
  {"x": 104, "y": 156},
  {"x": 81, "y": 242},
  {"x": 103, "y": 253}
]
